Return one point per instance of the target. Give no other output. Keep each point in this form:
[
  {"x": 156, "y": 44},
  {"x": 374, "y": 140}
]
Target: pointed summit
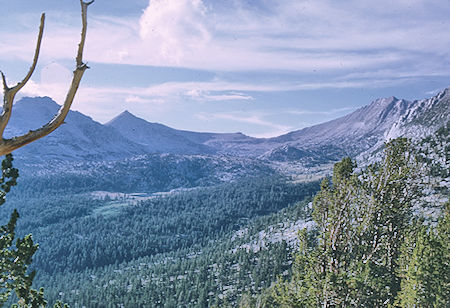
[
  {"x": 383, "y": 102},
  {"x": 78, "y": 139},
  {"x": 127, "y": 113},
  {"x": 443, "y": 93},
  {"x": 155, "y": 137},
  {"x": 124, "y": 118}
]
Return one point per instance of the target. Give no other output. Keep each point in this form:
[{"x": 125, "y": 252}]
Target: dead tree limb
[
  {"x": 9, "y": 145},
  {"x": 10, "y": 93}
]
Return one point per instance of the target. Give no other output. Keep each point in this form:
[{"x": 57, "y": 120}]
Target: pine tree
[
  {"x": 361, "y": 222},
  {"x": 15, "y": 257},
  {"x": 425, "y": 265},
  {"x": 391, "y": 187}
]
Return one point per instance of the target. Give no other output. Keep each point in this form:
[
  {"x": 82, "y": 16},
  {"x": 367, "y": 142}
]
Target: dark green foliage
[
  {"x": 15, "y": 278},
  {"x": 9, "y": 177},
  {"x": 80, "y": 237},
  {"x": 363, "y": 221},
  {"x": 181, "y": 249},
  {"x": 425, "y": 265},
  {"x": 16, "y": 257},
  {"x": 14, "y": 261},
  {"x": 76, "y": 232},
  {"x": 215, "y": 274}
]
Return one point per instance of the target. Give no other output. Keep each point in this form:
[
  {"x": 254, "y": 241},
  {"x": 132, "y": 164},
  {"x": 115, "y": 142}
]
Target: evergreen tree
[
  {"x": 393, "y": 186},
  {"x": 15, "y": 257},
  {"x": 361, "y": 222},
  {"x": 425, "y": 265}
]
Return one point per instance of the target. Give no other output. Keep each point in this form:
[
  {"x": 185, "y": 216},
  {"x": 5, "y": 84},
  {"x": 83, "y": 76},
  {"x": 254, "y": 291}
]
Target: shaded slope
[{"x": 80, "y": 138}]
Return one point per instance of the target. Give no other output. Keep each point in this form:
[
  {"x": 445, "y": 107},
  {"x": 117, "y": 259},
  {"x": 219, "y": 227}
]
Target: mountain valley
[{"x": 132, "y": 212}]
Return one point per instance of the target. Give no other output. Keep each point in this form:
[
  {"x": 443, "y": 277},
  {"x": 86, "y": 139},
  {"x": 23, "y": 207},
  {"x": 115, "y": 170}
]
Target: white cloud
[
  {"x": 200, "y": 90},
  {"x": 201, "y": 95},
  {"x": 271, "y": 129},
  {"x": 57, "y": 91},
  {"x": 287, "y": 35},
  {"x": 173, "y": 27},
  {"x": 333, "y": 111},
  {"x": 105, "y": 102},
  {"x": 134, "y": 99}
]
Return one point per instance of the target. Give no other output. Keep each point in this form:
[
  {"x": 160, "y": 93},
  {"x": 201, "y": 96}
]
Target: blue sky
[{"x": 260, "y": 67}]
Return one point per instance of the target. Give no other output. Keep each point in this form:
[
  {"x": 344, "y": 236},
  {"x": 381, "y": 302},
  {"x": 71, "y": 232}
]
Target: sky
[{"x": 260, "y": 67}]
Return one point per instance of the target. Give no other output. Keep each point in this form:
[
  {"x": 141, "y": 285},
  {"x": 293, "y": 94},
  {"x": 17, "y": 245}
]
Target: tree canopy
[{"x": 368, "y": 253}]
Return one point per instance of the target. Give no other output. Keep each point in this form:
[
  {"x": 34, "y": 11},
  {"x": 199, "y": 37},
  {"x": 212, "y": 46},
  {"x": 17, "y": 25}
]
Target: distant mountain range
[
  {"x": 358, "y": 133},
  {"x": 80, "y": 138}
]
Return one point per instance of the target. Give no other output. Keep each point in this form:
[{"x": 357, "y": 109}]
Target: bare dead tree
[{"x": 9, "y": 145}]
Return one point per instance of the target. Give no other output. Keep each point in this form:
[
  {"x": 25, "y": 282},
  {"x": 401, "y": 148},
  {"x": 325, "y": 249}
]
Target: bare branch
[
  {"x": 5, "y": 85},
  {"x": 21, "y": 84},
  {"x": 10, "y": 93},
  {"x": 9, "y": 145},
  {"x": 84, "y": 6}
]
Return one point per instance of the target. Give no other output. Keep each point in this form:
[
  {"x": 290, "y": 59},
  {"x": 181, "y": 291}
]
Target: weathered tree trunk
[{"x": 9, "y": 145}]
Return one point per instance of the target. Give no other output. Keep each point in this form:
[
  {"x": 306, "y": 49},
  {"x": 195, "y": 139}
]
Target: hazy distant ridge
[{"x": 363, "y": 130}]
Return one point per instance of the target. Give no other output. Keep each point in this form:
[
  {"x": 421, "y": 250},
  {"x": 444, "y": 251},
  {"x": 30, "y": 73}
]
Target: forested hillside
[
  {"x": 80, "y": 236},
  {"x": 217, "y": 273},
  {"x": 377, "y": 244}
]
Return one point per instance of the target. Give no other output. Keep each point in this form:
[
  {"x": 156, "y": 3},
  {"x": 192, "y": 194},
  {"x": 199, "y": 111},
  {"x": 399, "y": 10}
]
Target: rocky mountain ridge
[{"x": 359, "y": 133}]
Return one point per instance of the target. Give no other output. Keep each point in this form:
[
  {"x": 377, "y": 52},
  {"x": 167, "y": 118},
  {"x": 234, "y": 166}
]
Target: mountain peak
[
  {"x": 385, "y": 100},
  {"x": 35, "y": 109},
  {"x": 443, "y": 93},
  {"x": 37, "y": 101},
  {"x": 352, "y": 134},
  {"x": 124, "y": 116},
  {"x": 126, "y": 113}
]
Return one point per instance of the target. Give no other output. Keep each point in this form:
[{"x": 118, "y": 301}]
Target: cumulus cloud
[
  {"x": 293, "y": 35},
  {"x": 174, "y": 27}
]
